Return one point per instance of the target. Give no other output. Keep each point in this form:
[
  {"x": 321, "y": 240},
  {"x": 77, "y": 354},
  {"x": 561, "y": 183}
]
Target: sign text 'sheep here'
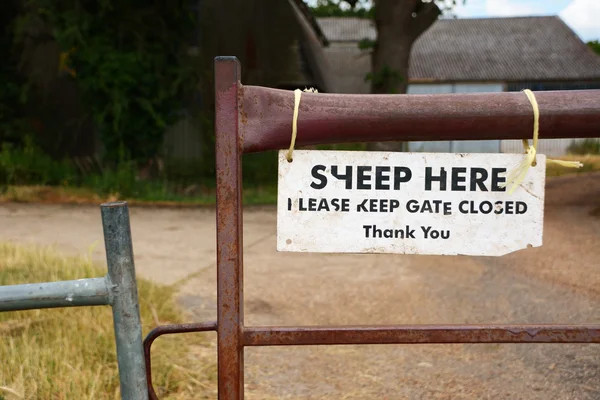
[{"x": 408, "y": 203}]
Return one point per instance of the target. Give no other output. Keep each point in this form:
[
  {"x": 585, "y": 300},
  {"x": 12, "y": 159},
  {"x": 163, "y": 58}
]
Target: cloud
[
  {"x": 505, "y": 8},
  {"x": 583, "y": 16},
  {"x": 472, "y": 8}
]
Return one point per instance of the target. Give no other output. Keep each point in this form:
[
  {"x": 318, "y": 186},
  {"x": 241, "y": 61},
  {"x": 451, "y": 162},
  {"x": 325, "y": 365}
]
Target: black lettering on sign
[
  {"x": 486, "y": 207},
  {"x": 346, "y": 177},
  {"x": 378, "y": 205},
  {"x": 342, "y": 205},
  {"x": 509, "y": 207},
  {"x": 498, "y": 207},
  {"x": 401, "y": 175},
  {"x": 316, "y": 173},
  {"x": 323, "y": 205},
  {"x": 458, "y": 179},
  {"x": 361, "y": 206},
  {"x": 372, "y": 231},
  {"x": 441, "y": 178},
  {"x": 429, "y": 233},
  {"x": 478, "y": 178},
  {"x": 497, "y": 179},
  {"x": 362, "y": 179},
  {"x": 381, "y": 179},
  {"x": 335, "y": 203}
]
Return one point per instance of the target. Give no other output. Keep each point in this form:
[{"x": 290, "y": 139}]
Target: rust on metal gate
[
  {"x": 348, "y": 118},
  {"x": 253, "y": 119},
  {"x": 169, "y": 330},
  {"x": 420, "y": 334},
  {"x": 230, "y": 300}
]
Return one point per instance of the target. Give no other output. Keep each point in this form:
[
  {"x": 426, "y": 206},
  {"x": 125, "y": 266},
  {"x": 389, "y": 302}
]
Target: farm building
[
  {"x": 279, "y": 44},
  {"x": 474, "y": 55}
]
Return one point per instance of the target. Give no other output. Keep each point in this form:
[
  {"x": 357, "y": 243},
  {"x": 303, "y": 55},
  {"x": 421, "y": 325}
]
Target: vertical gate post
[
  {"x": 124, "y": 301},
  {"x": 230, "y": 286}
]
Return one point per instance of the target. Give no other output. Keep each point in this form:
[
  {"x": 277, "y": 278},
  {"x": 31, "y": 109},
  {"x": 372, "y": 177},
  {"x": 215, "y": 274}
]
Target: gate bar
[
  {"x": 81, "y": 292},
  {"x": 230, "y": 290},
  {"x": 251, "y": 119},
  {"x": 424, "y": 334},
  {"x": 266, "y": 122},
  {"x": 169, "y": 330}
]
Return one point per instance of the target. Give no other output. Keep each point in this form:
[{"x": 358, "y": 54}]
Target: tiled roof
[{"x": 486, "y": 49}]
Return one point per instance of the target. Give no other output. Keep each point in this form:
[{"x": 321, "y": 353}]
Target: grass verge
[
  {"x": 69, "y": 353},
  {"x": 69, "y": 195},
  {"x": 252, "y": 195}
]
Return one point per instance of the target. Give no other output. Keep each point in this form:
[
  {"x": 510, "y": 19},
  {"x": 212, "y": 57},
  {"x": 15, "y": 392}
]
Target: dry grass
[
  {"x": 51, "y": 194},
  {"x": 70, "y": 353}
]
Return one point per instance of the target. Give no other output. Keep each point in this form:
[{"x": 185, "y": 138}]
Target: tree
[
  {"x": 342, "y": 8},
  {"x": 398, "y": 24},
  {"x": 130, "y": 62},
  {"x": 594, "y": 45}
]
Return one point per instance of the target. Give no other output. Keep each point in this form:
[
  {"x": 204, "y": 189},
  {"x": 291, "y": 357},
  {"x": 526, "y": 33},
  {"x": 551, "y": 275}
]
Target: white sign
[{"x": 407, "y": 203}]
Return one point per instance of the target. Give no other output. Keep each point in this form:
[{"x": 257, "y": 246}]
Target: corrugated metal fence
[{"x": 550, "y": 147}]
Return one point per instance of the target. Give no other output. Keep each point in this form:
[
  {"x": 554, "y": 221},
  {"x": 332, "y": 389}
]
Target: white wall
[{"x": 459, "y": 146}]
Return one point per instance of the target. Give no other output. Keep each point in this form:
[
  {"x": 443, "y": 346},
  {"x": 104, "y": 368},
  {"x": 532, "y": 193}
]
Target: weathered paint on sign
[{"x": 407, "y": 203}]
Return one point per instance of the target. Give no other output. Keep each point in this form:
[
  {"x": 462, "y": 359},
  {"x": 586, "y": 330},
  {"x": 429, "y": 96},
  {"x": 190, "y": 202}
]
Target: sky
[{"x": 583, "y": 16}]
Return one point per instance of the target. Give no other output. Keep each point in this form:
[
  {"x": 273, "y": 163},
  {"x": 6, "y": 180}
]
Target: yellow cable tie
[
  {"x": 297, "y": 96},
  {"x": 517, "y": 175}
]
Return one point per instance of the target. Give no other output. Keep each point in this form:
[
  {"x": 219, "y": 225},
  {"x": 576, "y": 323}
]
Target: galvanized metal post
[
  {"x": 230, "y": 299},
  {"x": 30, "y": 296},
  {"x": 124, "y": 300}
]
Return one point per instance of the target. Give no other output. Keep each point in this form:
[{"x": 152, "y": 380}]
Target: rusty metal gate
[{"x": 254, "y": 119}]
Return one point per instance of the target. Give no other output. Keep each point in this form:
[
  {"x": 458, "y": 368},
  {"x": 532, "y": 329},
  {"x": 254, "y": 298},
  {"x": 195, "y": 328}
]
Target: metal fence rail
[{"x": 117, "y": 289}]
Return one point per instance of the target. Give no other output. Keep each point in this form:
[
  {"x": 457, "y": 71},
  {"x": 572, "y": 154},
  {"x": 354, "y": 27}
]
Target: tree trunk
[{"x": 398, "y": 25}]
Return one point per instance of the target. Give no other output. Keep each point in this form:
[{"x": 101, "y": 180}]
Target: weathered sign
[{"x": 408, "y": 203}]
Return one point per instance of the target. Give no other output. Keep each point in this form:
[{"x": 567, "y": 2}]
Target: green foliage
[
  {"x": 118, "y": 180},
  {"x": 342, "y": 8},
  {"x": 366, "y": 44},
  {"x": 13, "y": 87},
  {"x": 594, "y": 45},
  {"x": 585, "y": 147},
  {"x": 131, "y": 64},
  {"x": 29, "y": 165},
  {"x": 386, "y": 77}
]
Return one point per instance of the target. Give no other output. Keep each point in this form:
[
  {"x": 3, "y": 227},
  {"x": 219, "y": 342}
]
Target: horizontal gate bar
[
  {"x": 81, "y": 292},
  {"x": 424, "y": 334},
  {"x": 266, "y": 117}
]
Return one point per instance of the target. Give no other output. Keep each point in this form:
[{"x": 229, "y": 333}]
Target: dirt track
[{"x": 556, "y": 283}]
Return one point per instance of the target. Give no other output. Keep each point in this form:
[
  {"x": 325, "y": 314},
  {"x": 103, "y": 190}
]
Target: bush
[
  {"x": 30, "y": 165},
  {"x": 586, "y": 146}
]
